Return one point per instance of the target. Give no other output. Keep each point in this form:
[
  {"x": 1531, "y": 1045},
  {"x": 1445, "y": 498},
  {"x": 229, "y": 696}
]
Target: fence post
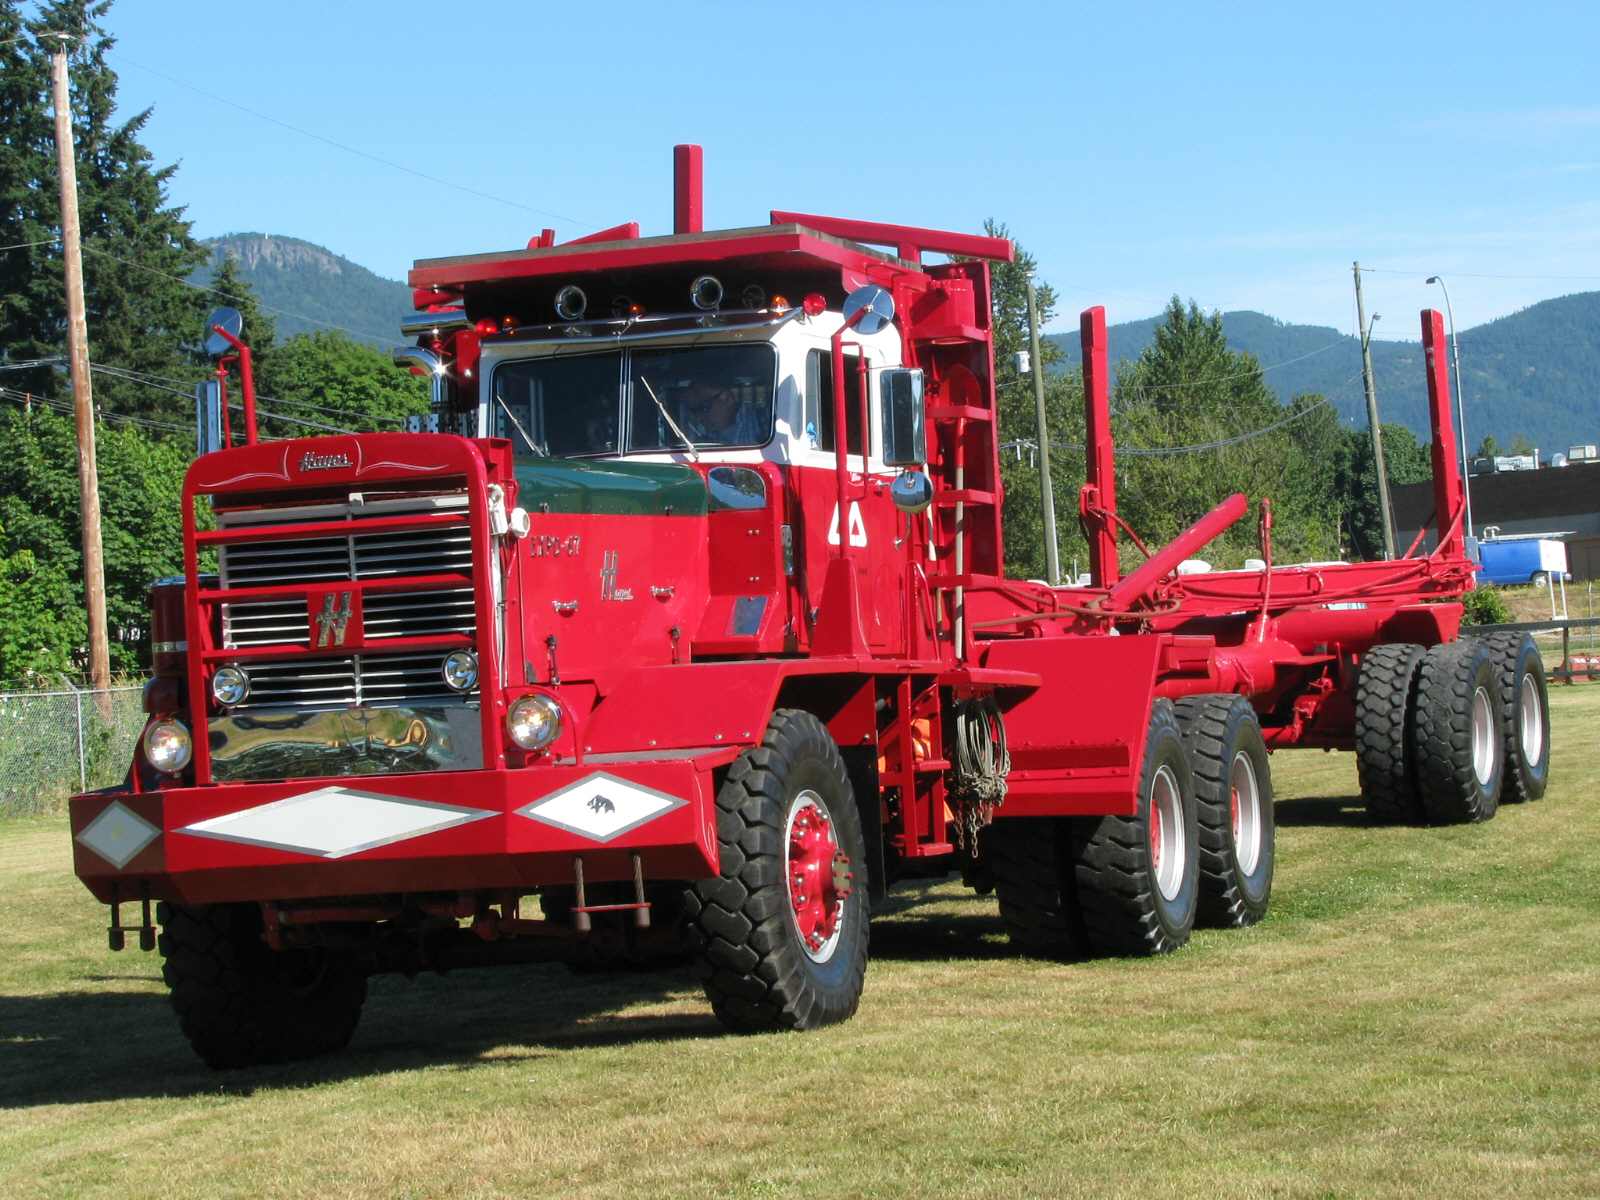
[
  {"x": 1566, "y": 651},
  {"x": 83, "y": 772}
]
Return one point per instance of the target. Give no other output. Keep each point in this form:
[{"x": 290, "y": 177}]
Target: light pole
[{"x": 1461, "y": 420}]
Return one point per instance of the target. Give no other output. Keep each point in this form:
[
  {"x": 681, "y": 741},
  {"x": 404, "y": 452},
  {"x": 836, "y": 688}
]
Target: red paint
[
  {"x": 688, "y": 185},
  {"x": 632, "y": 621}
]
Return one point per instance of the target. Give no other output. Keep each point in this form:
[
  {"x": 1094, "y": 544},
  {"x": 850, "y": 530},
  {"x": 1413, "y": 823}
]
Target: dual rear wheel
[
  {"x": 1445, "y": 735},
  {"x": 1198, "y": 850}
]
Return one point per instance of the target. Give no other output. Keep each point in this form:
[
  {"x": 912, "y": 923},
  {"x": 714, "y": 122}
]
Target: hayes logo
[
  {"x": 324, "y": 462},
  {"x": 332, "y": 622}
]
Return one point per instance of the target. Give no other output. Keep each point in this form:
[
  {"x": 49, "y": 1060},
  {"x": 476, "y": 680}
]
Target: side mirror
[
  {"x": 912, "y": 492},
  {"x": 905, "y": 437}
]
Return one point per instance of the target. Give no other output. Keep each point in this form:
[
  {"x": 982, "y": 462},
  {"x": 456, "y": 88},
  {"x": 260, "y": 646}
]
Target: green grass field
[{"x": 1416, "y": 1017}]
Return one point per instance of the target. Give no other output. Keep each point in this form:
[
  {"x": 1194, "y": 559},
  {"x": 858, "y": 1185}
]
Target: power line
[
  {"x": 351, "y": 149},
  {"x": 1163, "y": 387},
  {"x": 49, "y": 241},
  {"x": 1469, "y": 275},
  {"x": 200, "y": 287}
]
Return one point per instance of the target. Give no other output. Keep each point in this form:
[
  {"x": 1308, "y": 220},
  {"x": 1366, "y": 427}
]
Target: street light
[{"x": 1461, "y": 420}]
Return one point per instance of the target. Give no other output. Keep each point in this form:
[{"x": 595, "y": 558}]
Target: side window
[{"x": 819, "y": 399}]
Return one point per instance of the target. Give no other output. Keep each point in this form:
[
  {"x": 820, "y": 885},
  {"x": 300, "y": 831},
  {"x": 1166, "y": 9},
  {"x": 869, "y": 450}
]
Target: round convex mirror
[
  {"x": 877, "y": 302},
  {"x": 227, "y": 318}
]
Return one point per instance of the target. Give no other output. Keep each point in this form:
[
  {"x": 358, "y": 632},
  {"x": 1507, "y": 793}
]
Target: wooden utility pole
[
  {"x": 94, "y": 580},
  {"x": 1373, "y": 425},
  {"x": 1052, "y": 553}
]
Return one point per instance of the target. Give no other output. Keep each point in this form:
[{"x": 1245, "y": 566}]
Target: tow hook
[
  {"x": 640, "y": 906},
  {"x": 116, "y": 932}
]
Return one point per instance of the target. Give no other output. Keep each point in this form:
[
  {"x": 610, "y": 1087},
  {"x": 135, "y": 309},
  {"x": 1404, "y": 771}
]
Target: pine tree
[
  {"x": 1187, "y": 388},
  {"x": 138, "y": 250}
]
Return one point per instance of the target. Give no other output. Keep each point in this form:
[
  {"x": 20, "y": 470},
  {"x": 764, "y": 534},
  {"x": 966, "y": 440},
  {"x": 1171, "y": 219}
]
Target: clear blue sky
[{"x": 1239, "y": 154}]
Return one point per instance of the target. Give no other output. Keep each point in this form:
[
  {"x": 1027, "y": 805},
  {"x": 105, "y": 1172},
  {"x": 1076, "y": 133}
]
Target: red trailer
[{"x": 680, "y": 626}]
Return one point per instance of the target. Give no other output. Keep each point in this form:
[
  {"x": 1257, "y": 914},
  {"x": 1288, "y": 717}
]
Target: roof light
[
  {"x": 487, "y": 325},
  {"x": 814, "y": 304}
]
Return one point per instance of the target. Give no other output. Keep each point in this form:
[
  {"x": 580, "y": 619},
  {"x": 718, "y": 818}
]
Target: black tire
[
  {"x": 1233, "y": 803},
  {"x": 1134, "y": 900},
  {"x": 1032, "y": 863},
  {"x": 759, "y": 971},
  {"x": 240, "y": 1002},
  {"x": 1525, "y": 713},
  {"x": 1460, "y": 759},
  {"x": 1386, "y": 734}
]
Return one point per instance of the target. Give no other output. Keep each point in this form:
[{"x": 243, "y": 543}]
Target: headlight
[
  {"x": 460, "y": 670},
  {"x": 167, "y": 746},
  {"x": 534, "y": 722},
  {"x": 230, "y": 685}
]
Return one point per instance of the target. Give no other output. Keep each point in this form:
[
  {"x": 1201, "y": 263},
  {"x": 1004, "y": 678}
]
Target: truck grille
[
  {"x": 369, "y": 680},
  {"x": 356, "y": 680},
  {"x": 377, "y": 555}
]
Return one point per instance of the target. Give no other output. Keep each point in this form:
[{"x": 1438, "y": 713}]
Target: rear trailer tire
[
  {"x": 1524, "y": 713},
  {"x": 1233, "y": 802},
  {"x": 1032, "y": 863},
  {"x": 1460, "y": 739},
  {"x": 240, "y": 1002},
  {"x": 782, "y": 931},
  {"x": 1138, "y": 877},
  {"x": 1385, "y": 733}
]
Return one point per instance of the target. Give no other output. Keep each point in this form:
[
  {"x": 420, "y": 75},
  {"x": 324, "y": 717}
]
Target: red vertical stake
[
  {"x": 688, "y": 215},
  {"x": 1448, "y": 496},
  {"x": 1100, "y": 484}
]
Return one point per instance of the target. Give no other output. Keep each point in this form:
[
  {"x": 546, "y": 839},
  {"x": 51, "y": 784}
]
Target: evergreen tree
[
  {"x": 353, "y": 386},
  {"x": 142, "y": 317},
  {"x": 1355, "y": 484},
  {"x": 1187, "y": 388},
  {"x": 1023, "y": 514}
]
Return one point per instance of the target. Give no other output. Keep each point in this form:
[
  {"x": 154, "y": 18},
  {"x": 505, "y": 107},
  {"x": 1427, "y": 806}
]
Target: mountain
[
  {"x": 307, "y": 287},
  {"x": 1535, "y": 372}
]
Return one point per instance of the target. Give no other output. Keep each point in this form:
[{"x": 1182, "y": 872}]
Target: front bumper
[{"x": 440, "y": 832}]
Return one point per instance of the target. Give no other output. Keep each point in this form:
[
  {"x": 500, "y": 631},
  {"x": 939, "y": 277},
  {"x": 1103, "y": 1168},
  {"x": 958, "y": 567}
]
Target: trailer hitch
[{"x": 116, "y": 932}]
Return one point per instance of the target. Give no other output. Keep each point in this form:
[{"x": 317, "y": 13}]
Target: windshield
[
  {"x": 716, "y": 396},
  {"x": 561, "y": 407},
  {"x": 568, "y": 406}
]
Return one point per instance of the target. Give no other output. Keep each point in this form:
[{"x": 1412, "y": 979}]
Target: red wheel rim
[{"x": 819, "y": 877}]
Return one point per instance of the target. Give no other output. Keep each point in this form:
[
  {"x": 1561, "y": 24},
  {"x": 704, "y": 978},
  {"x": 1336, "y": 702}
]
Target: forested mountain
[
  {"x": 308, "y": 288},
  {"x": 1535, "y": 372}
]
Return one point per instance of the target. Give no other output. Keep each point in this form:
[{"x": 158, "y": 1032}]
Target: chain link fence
[{"x": 55, "y": 743}]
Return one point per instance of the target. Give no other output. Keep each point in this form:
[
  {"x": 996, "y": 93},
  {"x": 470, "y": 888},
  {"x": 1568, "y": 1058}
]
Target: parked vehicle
[{"x": 682, "y": 627}]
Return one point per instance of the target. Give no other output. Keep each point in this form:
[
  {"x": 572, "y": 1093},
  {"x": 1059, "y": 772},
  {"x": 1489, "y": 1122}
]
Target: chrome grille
[
  {"x": 277, "y": 623},
  {"x": 374, "y": 555},
  {"x": 371, "y": 680},
  {"x": 419, "y": 614}
]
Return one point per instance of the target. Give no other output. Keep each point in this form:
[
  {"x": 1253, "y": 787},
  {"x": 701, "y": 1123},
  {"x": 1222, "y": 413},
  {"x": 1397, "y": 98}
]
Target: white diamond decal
[
  {"x": 333, "y": 822},
  {"x": 600, "y": 807},
  {"x": 117, "y": 834}
]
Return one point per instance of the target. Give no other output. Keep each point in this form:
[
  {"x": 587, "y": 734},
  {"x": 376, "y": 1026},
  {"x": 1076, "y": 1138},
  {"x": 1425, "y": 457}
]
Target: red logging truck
[{"x": 684, "y": 611}]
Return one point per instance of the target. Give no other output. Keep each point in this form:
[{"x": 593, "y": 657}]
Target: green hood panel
[{"x": 612, "y": 488}]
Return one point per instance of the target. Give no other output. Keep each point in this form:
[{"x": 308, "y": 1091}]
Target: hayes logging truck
[{"x": 681, "y": 625}]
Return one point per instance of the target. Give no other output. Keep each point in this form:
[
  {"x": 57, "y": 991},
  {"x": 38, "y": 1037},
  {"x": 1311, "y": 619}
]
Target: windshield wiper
[
  {"x": 662, "y": 408},
  {"x": 532, "y": 445}
]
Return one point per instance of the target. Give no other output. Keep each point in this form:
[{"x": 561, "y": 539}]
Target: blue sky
[{"x": 1239, "y": 154}]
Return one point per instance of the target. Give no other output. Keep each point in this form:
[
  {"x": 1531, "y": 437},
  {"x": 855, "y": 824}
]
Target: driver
[{"x": 722, "y": 417}]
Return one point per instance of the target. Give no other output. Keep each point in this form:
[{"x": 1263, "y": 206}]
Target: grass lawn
[{"x": 1416, "y": 1017}]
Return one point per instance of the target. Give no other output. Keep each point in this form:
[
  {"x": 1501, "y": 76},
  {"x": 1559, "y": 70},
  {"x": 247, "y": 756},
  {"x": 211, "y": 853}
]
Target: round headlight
[
  {"x": 167, "y": 746},
  {"x": 230, "y": 685},
  {"x": 534, "y": 722},
  {"x": 460, "y": 670}
]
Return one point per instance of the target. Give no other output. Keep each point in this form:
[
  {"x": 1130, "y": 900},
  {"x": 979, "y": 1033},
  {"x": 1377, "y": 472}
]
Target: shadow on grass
[
  {"x": 91, "y": 1046},
  {"x": 1349, "y": 812},
  {"x": 88, "y": 1047}
]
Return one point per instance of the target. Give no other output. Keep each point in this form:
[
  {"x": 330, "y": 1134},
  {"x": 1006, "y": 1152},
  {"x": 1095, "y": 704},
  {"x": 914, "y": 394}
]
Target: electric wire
[
  {"x": 200, "y": 287},
  {"x": 1165, "y": 451},
  {"x": 351, "y": 149}
]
